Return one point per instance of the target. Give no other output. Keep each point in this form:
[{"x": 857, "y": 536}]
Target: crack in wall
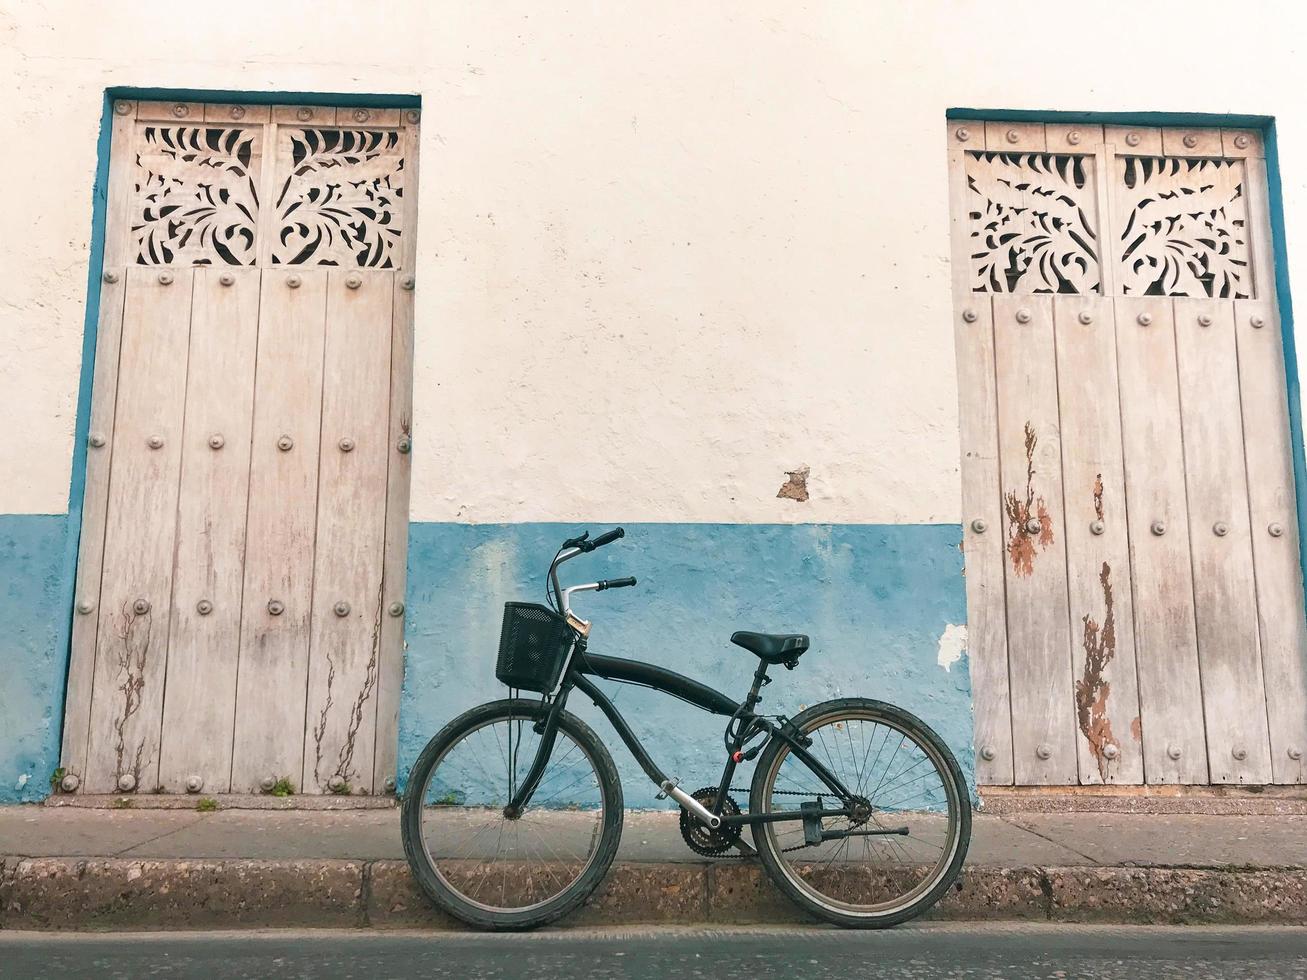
[
  {"x": 1020, "y": 541},
  {"x": 320, "y": 729},
  {"x": 345, "y": 760},
  {"x": 131, "y": 656},
  {"x": 344, "y": 769}
]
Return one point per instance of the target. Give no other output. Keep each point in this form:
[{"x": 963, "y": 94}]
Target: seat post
[{"x": 759, "y": 679}]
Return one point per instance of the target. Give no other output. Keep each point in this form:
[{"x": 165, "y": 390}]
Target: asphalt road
[{"x": 927, "y": 951}]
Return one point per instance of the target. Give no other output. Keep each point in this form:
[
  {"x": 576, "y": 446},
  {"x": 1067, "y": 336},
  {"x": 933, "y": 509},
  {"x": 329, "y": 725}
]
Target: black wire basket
[{"x": 533, "y": 646}]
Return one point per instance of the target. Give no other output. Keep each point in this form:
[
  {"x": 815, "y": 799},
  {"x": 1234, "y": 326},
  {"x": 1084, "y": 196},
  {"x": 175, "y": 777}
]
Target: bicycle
[{"x": 513, "y": 811}]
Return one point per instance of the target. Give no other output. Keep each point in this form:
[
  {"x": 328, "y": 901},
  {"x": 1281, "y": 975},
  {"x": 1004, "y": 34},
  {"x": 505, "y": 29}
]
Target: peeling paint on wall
[
  {"x": 952, "y": 644},
  {"x": 796, "y": 486}
]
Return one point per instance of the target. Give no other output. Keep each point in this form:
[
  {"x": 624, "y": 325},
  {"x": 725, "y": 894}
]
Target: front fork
[{"x": 547, "y": 729}]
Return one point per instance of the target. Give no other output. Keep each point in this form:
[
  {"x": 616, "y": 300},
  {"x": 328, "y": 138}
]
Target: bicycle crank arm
[
  {"x": 888, "y": 831},
  {"x": 691, "y": 804}
]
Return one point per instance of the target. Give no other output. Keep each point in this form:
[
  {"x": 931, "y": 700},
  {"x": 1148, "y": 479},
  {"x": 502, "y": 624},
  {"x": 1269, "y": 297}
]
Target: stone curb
[{"x": 64, "y": 893}]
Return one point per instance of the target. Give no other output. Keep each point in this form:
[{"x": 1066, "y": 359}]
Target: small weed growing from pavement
[
  {"x": 124, "y": 803},
  {"x": 343, "y": 789},
  {"x": 449, "y": 799},
  {"x": 56, "y": 778},
  {"x": 282, "y": 787},
  {"x": 206, "y": 804}
]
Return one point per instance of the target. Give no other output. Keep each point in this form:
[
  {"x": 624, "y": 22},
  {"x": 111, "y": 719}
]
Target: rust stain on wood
[
  {"x": 796, "y": 487},
  {"x": 1020, "y": 541},
  {"x": 1093, "y": 688},
  {"x": 1136, "y": 729},
  {"x": 1098, "y": 496}
]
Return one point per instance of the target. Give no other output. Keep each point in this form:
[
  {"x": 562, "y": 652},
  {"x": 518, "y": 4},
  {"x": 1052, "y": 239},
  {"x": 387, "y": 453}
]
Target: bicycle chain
[{"x": 785, "y": 850}]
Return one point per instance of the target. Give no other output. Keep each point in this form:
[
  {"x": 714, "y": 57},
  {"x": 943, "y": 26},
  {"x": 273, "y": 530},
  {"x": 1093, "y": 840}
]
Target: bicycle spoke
[
  {"x": 489, "y": 860},
  {"x": 865, "y": 873}
]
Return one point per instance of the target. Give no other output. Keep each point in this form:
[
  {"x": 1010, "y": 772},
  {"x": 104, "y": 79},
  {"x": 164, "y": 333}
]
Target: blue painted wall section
[
  {"x": 35, "y": 599},
  {"x": 874, "y": 598}
]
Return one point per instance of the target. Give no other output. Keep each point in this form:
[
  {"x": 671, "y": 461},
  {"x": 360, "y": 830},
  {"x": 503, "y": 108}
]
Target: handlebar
[
  {"x": 583, "y": 543},
  {"x": 607, "y": 538}
]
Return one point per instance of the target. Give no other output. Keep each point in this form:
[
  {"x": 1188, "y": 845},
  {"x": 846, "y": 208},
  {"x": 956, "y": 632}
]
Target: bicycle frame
[
  {"x": 583, "y": 663},
  {"x": 580, "y": 663}
]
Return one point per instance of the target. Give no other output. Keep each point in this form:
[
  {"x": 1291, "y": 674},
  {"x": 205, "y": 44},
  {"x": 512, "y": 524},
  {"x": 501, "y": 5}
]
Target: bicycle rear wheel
[
  {"x": 497, "y": 872},
  {"x": 903, "y": 778}
]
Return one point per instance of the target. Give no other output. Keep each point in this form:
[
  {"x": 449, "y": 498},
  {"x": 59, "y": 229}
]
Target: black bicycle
[{"x": 513, "y": 812}]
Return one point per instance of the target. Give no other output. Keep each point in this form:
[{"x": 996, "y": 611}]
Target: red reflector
[{"x": 737, "y": 757}]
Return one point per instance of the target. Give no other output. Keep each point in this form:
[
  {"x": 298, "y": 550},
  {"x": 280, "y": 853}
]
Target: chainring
[{"x": 703, "y": 839}]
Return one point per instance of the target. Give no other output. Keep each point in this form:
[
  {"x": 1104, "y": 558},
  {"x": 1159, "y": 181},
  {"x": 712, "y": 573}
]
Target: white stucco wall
[{"x": 668, "y": 251}]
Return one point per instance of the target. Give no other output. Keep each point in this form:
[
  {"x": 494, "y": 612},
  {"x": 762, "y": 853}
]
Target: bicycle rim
[
  {"x": 502, "y": 866},
  {"x": 909, "y": 785}
]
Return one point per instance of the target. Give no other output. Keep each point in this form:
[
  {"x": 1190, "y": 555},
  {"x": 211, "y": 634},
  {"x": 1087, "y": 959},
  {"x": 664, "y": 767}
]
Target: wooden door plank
[
  {"x": 982, "y": 523},
  {"x": 1166, "y": 654},
  {"x": 345, "y": 646},
  {"x": 1014, "y": 137},
  {"x": 1072, "y": 137},
  {"x": 983, "y": 541},
  {"x": 131, "y": 645},
  {"x": 200, "y": 699},
  {"x": 1039, "y": 652},
  {"x": 99, "y": 452},
  {"x": 178, "y": 113},
  {"x": 390, "y": 676},
  {"x": 240, "y": 112},
  {"x": 1272, "y": 506},
  {"x": 1097, "y": 543},
  {"x": 1133, "y": 141},
  {"x": 280, "y": 528},
  {"x": 1183, "y": 142},
  {"x": 1225, "y": 599}
]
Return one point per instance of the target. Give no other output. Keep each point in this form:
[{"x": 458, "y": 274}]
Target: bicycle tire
[
  {"x": 433, "y": 883},
  {"x": 770, "y": 852}
]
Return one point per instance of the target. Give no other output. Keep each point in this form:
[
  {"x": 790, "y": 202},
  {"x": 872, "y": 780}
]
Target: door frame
[
  {"x": 90, "y": 339},
  {"x": 1275, "y": 286}
]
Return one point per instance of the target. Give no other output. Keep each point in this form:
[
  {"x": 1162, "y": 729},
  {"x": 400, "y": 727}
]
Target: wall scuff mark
[
  {"x": 1093, "y": 688},
  {"x": 796, "y": 487},
  {"x": 1020, "y": 540}
]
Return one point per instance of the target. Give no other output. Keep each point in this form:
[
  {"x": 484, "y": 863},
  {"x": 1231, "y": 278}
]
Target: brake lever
[{"x": 578, "y": 541}]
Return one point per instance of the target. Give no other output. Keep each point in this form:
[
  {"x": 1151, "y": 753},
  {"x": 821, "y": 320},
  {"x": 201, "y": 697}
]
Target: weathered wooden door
[
  {"x": 241, "y": 572},
  {"x": 1134, "y": 589}
]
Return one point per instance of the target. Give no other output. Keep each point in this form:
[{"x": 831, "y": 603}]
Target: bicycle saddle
[{"x": 775, "y": 648}]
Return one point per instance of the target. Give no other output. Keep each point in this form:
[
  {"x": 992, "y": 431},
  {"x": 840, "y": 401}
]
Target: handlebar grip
[
  {"x": 606, "y": 538},
  {"x": 616, "y": 583}
]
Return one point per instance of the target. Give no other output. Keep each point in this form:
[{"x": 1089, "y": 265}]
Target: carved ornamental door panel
[
  {"x": 240, "y": 581},
  {"x": 1134, "y": 591}
]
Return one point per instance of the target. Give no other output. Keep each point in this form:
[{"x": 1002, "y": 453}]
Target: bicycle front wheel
[
  {"x": 499, "y": 872},
  {"x": 908, "y": 792}
]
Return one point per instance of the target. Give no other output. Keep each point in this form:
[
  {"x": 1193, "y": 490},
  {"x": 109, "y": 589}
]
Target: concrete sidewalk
[{"x": 74, "y": 867}]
